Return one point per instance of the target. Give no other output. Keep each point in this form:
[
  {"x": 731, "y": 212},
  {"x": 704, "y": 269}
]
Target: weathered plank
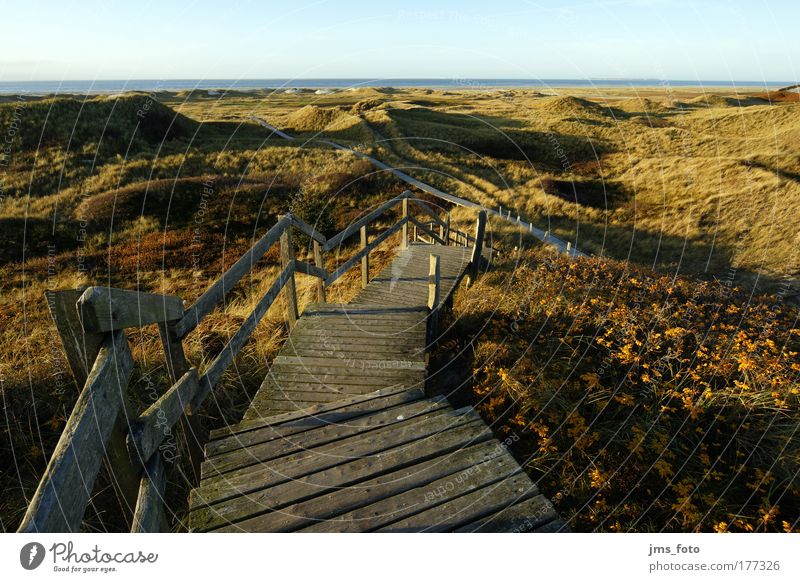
[
  {"x": 63, "y": 492},
  {"x": 223, "y": 360},
  {"x": 495, "y": 465},
  {"x": 307, "y": 229},
  {"x": 309, "y": 269},
  {"x": 222, "y": 286},
  {"x": 347, "y": 265},
  {"x": 152, "y": 426},
  {"x": 103, "y": 309},
  {"x": 487, "y": 499},
  {"x": 149, "y": 515},
  {"x": 430, "y": 232},
  {"x": 333, "y": 407},
  {"x": 80, "y": 347},
  {"x": 267, "y": 451},
  {"x": 364, "y": 258},
  {"x": 356, "y": 408},
  {"x": 258, "y": 477},
  {"x": 339, "y": 472},
  {"x": 335, "y": 501},
  {"x": 364, "y": 363},
  {"x": 290, "y": 289},
  {"x": 354, "y": 227},
  {"x": 526, "y": 516},
  {"x": 321, "y": 265},
  {"x": 477, "y": 250}
]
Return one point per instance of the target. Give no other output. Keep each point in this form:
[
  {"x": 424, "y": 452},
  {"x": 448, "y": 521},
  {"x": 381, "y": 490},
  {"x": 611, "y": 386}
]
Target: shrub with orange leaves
[{"x": 667, "y": 403}]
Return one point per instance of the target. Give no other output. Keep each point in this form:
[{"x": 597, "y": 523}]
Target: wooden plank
[
  {"x": 149, "y": 515},
  {"x": 334, "y": 407},
  {"x": 434, "y": 282},
  {"x": 406, "y": 216},
  {"x": 347, "y": 265},
  {"x": 223, "y": 360},
  {"x": 290, "y": 289},
  {"x": 320, "y": 263},
  {"x": 477, "y": 250},
  {"x": 177, "y": 366},
  {"x": 354, "y": 227},
  {"x": 434, "y": 237},
  {"x": 336, "y": 500},
  {"x": 364, "y": 258},
  {"x": 360, "y": 407},
  {"x": 63, "y": 492},
  {"x": 354, "y": 350},
  {"x": 353, "y": 376},
  {"x": 80, "y": 347},
  {"x": 103, "y": 309},
  {"x": 356, "y": 467},
  {"x": 362, "y": 425},
  {"x": 347, "y": 371},
  {"x": 153, "y": 425},
  {"x": 259, "y": 477},
  {"x": 365, "y": 363},
  {"x": 488, "y": 499},
  {"x": 523, "y": 517},
  {"x": 429, "y": 211},
  {"x": 307, "y": 229},
  {"x": 494, "y": 465},
  {"x": 309, "y": 269},
  {"x": 222, "y": 286}
]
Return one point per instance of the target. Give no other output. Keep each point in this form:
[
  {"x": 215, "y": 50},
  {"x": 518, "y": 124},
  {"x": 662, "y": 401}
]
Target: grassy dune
[{"x": 163, "y": 191}]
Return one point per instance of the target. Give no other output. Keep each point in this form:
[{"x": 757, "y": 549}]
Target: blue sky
[{"x": 703, "y": 40}]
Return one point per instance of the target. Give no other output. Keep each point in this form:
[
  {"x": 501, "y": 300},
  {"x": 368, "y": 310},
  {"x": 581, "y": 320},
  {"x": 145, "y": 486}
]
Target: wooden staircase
[{"x": 341, "y": 437}]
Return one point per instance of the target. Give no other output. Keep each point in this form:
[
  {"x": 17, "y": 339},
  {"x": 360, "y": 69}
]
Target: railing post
[
  {"x": 434, "y": 282},
  {"x": 318, "y": 262},
  {"x": 177, "y": 366},
  {"x": 81, "y": 349},
  {"x": 477, "y": 250},
  {"x": 446, "y": 236},
  {"x": 404, "y": 235},
  {"x": 364, "y": 259},
  {"x": 290, "y": 292}
]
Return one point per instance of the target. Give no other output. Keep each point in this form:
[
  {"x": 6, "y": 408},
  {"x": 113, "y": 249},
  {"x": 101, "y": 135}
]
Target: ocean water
[{"x": 150, "y": 85}]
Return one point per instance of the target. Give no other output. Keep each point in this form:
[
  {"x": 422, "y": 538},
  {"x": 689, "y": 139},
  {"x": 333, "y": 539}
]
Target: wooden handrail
[
  {"x": 347, "y": 265},
  {"x": 222, "y": 286},
  {"x": 104, "y": 309},
  {"x": 430, "y": 232},
  {"x": 355, "y": 227}
]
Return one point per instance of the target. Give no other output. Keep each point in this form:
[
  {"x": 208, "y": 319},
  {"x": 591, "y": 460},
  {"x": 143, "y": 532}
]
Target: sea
[{"x": 152, "y": 85}]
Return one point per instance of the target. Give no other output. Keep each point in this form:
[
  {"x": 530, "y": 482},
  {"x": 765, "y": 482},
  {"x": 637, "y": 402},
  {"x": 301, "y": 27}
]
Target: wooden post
[
  {"x": 414, "y": 232},
  {"x": 81, "y": 349},
  {"x": 177, "y": 366},
  {"x": 434, "y": 282},
  {"x": 477, "y": 250},
  {"x": 364, "y": 259},
  {"x": 290, "y": 291},
  {"x": 404, "y": 235},
  {"x": 66, "y": 487},
  {"x": 318, "y": 262},
  {"x": 446, "y": 236}
]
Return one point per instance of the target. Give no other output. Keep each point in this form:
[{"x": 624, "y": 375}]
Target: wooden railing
[{"x": 103, "y": 429}]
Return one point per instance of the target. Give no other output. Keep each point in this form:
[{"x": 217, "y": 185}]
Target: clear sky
[{"x": 754, "y": 40}]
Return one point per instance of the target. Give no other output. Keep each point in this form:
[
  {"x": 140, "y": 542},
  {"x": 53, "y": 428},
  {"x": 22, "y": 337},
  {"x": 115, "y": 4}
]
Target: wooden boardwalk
[{"x": 341, "y": 436}]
